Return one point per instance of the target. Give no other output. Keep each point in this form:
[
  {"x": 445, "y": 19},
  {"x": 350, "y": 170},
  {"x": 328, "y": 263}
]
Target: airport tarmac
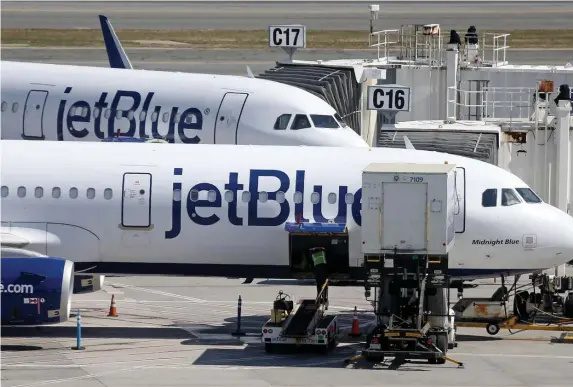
[
  {"x": 231, "y": 62},
  {"x": 177, "y": 332},
  {"x": 315, "y": 15}
]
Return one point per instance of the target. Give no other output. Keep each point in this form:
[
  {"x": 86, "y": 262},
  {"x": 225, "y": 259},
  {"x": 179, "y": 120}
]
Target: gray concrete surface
[
  {"x": 227, "y": 61},
  {"x": 242, "y": 15},
  {"x": 176, "y": 332}
]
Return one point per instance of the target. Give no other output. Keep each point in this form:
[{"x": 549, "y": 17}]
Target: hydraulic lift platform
[{"x": 406, "y": 328}]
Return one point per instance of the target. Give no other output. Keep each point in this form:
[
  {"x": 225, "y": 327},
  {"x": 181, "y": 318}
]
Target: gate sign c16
[
  {"x": 293, "y": 36},
  {"x": 393, "y": 98}
]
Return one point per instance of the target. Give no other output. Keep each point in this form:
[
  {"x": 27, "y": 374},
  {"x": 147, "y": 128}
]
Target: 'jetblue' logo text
[
  {"x": 254, "y": 217},
  {"x": 130, "y": 105}
]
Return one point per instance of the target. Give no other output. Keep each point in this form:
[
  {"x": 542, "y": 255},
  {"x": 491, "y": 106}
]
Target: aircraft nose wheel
[{"x": 492, "y": 329}]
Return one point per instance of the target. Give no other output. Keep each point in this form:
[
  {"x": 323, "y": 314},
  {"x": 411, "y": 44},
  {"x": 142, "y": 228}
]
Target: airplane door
[
  {"x": 33, "y": 113},
  {"x": 228, "y": 117},
  {"x": 460, "y": 204},
  {"x": 136, "y": 201}
]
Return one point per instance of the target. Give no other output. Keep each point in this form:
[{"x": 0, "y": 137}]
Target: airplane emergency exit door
[
  {"x": 136, "y": 201},
  {"x": 33, "y": 114},
  {"x": 228, "y": 116}
]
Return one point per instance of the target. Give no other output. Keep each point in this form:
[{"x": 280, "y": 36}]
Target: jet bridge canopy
[{"x": 333, "y": 237}]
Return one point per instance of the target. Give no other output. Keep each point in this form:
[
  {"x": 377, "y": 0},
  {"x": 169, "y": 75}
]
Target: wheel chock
[
  {"x": 353, "y": 358},
  {"x": 459, "y": 363}
]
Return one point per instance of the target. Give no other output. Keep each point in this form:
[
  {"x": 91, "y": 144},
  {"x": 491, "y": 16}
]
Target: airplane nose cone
[
  {"x": 560, "y": 230},
  {"x": 353, "y": 139}
]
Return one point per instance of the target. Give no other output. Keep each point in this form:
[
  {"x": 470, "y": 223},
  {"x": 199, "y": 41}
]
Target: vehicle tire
[
  {"x": 269, "y": 348},
  {"x": 441, "y": 360},
  {"x": 492, "y": 329}
]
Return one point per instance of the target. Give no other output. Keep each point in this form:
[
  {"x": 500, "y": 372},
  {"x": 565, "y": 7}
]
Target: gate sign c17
[
  {"x": 287, "y": 36},
  {"x": 392, "y": 98}
]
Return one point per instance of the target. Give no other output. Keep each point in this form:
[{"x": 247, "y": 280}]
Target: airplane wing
[
  {"x": 408, "y": 143},
  {"x": 116, "y": 54},
  {"x": 249, "y": 72}
]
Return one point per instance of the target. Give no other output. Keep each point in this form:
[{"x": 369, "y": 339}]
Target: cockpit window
[
  {"x": 489, "y": 198},
  {"x": 300, "y": 122},
  {"x": 282, "y": 121},
  {"x": 528, "y": 195},
  {"x": 323, "y": 121},
  {"x": 340, "y": 120},
  {"x": 509, "y": 197}
]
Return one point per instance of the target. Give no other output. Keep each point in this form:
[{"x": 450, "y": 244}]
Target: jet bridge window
[
  {"x": 489, "y": 198},
  {"x": 528, "y": 195},
  {"x": 509, "y": 197},
  {"x": 300, "y": 122},
  {"x": 282, "y": 122},
  {"x": 324, "y": 121}
]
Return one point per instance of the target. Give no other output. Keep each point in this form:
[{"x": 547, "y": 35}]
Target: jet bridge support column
[
  {"x": 562, "y": 118},
  {"x": 368, "y": 123},
  {"x": 452, "y": 56}
]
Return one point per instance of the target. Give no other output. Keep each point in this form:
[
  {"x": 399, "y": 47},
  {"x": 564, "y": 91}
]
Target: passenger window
[
  {"x": 4, "y": 106},
  {"x": 107, "y": 193},
  {"x": 212, "y": 196},
  {"x": 263, "y": 197},
  {"x": 349, "y": 198},
  {"x": 528, "y": 195},
  {"x": 91, "y": 193},
  {"x": 96, "y": 112},
  {"x": 324, "y": 121},
  {"x": 106, "y": 114},
  {"x": 282, "y": 121},
  {"x": 314, "y": 197},
  {"x": 229, "y": 196},
  {"x": 5, "y": 191},
  {"x": 194, "y": 195},
  {"x": 177, "y": 195},
  {"x": 14, "y": 107},
  {"x": 142, "y": 115},
  {"x": 177, "y": 117},
  {"x": 56, "y": 192},
  {"x": 118, "y": 114},
  {"x": 246, "y": 196},
  {"x": 73, "y": 192},
  {"x": 280, "y": 197},
  {"x": 21, "y": 192},
  {"x": 165, "y": 117},
  {"x": 39, "y": 192},
  {"x": 154, "y": 116},
  {"x": 300, "y": 122},
  {"x": 489, "y": 198},
  {"x": 85, "y": 112},
  {"x": 331, "y": 198},
  {"x": 130, "y": 115},
  {"x": 509, "y": 197},
  {"x": 297, "y": 197}
]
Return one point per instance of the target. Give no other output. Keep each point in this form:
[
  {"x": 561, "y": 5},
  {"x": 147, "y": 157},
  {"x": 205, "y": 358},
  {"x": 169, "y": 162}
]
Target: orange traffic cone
[
  {"x": 112, "y": 310},
  {"x": 355, "y": 332}
]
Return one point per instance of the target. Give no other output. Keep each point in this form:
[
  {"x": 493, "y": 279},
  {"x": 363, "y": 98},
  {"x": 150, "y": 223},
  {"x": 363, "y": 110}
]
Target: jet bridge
[{"x": 335, "y": 85}]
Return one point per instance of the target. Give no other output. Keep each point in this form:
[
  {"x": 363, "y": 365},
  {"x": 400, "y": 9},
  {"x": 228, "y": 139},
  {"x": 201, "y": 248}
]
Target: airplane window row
[
  {"x": 56, "y": 193},
  {"x": 301, "y": 121},
  {"x": 509, "y": 197},
  {"x": 263, "y": 196},
  {"x": 82, "y": 111}
]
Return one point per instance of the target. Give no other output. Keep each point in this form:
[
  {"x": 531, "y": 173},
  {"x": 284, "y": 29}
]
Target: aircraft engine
[
  {"x": 36, "y": 291},
  {"x": 87, "y": 283}
]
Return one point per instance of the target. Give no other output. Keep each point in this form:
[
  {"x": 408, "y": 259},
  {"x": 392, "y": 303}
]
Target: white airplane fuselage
[
  {"x": 220, "y": 210},
  {"x": 80, "y": 103}
]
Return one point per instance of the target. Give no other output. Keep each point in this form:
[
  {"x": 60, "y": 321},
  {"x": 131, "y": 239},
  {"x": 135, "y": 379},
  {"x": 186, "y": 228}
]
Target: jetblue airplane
[
  {"x": 80, "y": 103},
  {"x": 223, "y": 210}
]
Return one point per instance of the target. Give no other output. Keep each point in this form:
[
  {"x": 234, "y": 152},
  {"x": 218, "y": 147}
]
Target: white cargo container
[{"x": 408, "y": 207}]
